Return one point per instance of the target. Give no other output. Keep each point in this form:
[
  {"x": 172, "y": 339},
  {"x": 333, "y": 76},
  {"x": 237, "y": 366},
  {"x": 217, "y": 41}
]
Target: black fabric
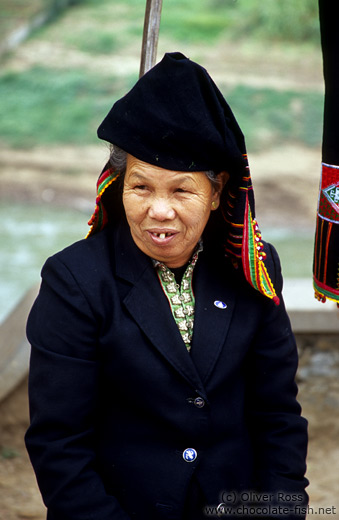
[
  {"x": 111, "y": 388},
  {"x": 330, "y": 51},
  {"x": 326, "y": 248},
  {"x": 175, "y": 117},
  {"x": 195, "y": 502}
]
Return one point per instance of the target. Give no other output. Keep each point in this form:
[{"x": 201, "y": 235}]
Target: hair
[
  {"x": 118, "y": 162},
  {"x": 117, "y": 159}
]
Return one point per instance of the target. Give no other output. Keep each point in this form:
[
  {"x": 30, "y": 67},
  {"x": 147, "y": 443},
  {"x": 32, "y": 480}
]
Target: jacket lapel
[
  {"x": 214, "y": 306},
  {"x": 148, "y": 306}
]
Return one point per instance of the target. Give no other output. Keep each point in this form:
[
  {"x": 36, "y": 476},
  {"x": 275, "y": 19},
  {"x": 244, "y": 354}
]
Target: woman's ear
[{"x": 222, "y": 179}]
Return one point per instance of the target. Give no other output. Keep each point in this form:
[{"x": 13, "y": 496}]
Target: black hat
[{"x": 175, "y": 117}]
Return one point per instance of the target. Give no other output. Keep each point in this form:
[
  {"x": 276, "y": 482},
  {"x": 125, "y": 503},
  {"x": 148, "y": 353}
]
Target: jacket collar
[{"x": 149, "y": 307}]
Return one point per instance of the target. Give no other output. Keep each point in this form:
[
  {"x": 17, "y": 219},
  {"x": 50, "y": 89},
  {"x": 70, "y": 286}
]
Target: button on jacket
[{"x": 124, "y": 421}]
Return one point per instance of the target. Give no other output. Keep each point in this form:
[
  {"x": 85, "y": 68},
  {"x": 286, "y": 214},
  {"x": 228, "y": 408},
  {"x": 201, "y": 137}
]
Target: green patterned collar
[{"x": 180, "y": 296}]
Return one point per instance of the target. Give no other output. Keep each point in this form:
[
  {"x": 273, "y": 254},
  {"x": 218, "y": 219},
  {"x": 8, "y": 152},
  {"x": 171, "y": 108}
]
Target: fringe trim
[
  {"x": 253, "y": 258},
  {"x": 323, "y": 293},
  {"x": 99, "y": 218}
]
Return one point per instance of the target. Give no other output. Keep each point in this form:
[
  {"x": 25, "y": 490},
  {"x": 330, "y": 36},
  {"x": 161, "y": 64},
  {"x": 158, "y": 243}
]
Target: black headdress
[{"x": 175, "y": 117}]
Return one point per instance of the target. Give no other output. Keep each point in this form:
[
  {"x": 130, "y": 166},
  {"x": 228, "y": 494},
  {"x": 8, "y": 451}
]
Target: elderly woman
[{"x": 163, "y": 362}]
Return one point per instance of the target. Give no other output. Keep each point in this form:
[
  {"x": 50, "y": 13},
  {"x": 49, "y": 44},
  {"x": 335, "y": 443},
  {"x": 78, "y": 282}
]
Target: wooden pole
[{"x": 150, "y": 35}]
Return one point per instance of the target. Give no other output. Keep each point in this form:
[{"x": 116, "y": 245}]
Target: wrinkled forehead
[{"x": 143, "y": 172}]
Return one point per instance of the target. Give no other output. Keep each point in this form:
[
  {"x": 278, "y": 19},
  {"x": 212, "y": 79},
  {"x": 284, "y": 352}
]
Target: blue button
[
  {"x": 190, "y": 454},
  {"x": 220, "y": 305}
]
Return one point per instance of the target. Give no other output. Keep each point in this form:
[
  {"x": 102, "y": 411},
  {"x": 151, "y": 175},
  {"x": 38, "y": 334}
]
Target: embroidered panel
[{"x": 328, "y": 204}]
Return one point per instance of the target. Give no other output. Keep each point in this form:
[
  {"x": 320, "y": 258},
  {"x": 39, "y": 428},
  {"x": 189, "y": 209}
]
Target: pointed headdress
[{"x": 175, "y": 117}]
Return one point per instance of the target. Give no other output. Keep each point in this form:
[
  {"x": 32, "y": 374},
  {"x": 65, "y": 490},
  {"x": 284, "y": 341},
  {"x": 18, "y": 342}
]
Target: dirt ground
[{"x": 319, "y": 388}]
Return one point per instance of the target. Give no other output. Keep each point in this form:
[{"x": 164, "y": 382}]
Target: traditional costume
[{"x": 134, "y": 416}]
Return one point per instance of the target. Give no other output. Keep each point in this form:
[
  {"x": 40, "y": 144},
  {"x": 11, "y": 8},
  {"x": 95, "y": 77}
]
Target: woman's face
[{"x": 166, "y": 210}]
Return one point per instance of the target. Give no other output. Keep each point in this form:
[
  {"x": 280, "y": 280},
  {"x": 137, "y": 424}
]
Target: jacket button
[
  {"x": 199, "y": 402},
  {"x": 189, "y": 455}
]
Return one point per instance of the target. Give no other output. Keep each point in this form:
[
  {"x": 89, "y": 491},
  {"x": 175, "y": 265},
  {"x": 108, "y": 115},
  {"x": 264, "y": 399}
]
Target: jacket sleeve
[
  {"x": 278, "y": 430},
  {"x": 63, "y": 393}
]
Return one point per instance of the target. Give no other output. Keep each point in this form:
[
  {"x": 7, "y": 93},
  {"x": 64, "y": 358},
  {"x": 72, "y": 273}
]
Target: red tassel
[{"x": 276, "y": 300}]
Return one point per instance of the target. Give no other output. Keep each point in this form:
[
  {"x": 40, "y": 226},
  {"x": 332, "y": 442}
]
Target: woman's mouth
[{"x": 162, "y": 237}]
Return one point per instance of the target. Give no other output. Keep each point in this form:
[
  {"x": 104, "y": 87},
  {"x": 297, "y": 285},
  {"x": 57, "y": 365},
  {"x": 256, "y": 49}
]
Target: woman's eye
[
  {"x": 140, "y": 187},
  {"x": 180, "y": 190}
]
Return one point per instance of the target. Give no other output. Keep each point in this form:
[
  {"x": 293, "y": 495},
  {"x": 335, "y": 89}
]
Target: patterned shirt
[{"x": 180, "y": 296}]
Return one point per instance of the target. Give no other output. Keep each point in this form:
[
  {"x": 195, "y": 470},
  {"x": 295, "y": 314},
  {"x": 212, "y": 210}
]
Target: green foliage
[
  {"x": 198, "y": 21},
  {"x": 191, "y": 21},
  {"x": 43, "y": 106},
  {"x": 14, "y": 11},
  {"x": 93, "y": 42},
  {"x": 289, "y": 20},
  {"x": 268, "y": 117},
  {"x": 94, "y": 29}
]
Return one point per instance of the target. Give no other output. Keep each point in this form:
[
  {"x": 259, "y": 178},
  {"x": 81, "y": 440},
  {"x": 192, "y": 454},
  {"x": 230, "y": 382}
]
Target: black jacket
[{"x": 113, "y": 390}]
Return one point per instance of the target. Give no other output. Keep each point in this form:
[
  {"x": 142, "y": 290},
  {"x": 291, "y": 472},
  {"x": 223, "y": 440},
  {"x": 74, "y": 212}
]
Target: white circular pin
[{"x": 220, "y": 305}]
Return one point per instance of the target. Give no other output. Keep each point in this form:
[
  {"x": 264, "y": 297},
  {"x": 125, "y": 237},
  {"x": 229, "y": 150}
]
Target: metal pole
[{"x": 150, "y": 35}]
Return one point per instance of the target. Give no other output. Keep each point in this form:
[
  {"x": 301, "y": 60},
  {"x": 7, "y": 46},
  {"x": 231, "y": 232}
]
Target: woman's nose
[{"x": 161, "y": 209}]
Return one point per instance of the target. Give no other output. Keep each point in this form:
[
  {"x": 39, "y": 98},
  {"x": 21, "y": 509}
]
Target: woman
[{"x": 163, "y": 363}]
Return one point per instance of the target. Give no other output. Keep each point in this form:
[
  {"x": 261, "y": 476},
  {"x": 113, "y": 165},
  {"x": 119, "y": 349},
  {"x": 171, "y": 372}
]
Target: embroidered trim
[
  {"x": 252, "y": 258},
  {"x": 322, "y": 292},
  {"x": 326, "y": 250},
  {"x": 99, "y": 218},
  {"x": 244, "y": 235},
  {"x": 328, "y": 201}
]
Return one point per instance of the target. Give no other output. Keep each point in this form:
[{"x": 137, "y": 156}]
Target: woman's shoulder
[{"x": 86, "y": 255}]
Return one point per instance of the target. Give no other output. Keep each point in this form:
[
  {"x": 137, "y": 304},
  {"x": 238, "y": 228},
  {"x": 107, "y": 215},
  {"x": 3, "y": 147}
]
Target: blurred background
[{"x": 63, "y": 64}]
